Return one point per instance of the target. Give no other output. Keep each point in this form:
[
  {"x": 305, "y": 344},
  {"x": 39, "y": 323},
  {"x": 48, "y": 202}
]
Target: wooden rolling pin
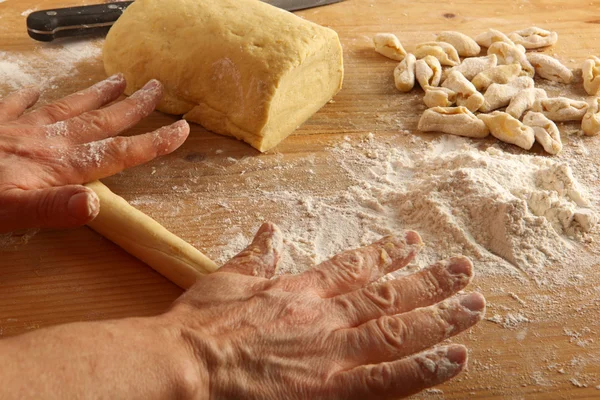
[{"x": 149, "y": 241}]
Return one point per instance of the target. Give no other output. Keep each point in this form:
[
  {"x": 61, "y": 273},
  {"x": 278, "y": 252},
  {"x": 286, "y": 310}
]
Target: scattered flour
[
  {"x": 46, "y": 66},
  {"x": 509, "y": 321},
  {"x": 509, "y": 213}
]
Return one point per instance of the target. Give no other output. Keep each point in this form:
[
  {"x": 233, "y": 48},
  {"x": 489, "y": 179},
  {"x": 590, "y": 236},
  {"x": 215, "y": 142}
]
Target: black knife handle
[{"x": 47, "y": 25}]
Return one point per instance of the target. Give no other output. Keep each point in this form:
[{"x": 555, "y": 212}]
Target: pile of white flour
[{"x": 508, "y": 212}]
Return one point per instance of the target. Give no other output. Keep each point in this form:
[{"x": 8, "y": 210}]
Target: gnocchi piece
[
  {"x": 524, "y": 100},
  {"x": 508, "y": 129},
  {"x": 428, "y": 71},
  {"x": 404, "y": 73},
  {"x": 534, "y": 37},
  {"x": 499, "y": 95},
  {"x": 439, "y": 97},
  {"x": 591, "y": 120},
  {"x": 466, "y": 94},
  {"x": 550, "y": 68},
  {"x": 444, "y": 52},
  {"x": 387, "y": 44},
  {"x": 590, "y": 70},
  {"x": 470, "y": 67},
  {"x": 521, "y": 47},
  {"x": 510, "y": 54},
  {"x": 464, "y": 45},
  {"x": 546, "y": 132},
  {"x": 500, "y": 74},
  {"x": 561, "y": 109},
  {"x": 453, "y": 120},
  {"x": 486, "y": 39}
]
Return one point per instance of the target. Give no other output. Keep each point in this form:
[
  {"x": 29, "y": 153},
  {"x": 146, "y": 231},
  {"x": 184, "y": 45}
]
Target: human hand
[
  {"x": 47, "y": 154},
  {"x": 330, "y": 332}
]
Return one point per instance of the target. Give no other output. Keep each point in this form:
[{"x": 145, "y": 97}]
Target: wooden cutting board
[{"x": 65, "y": 276}]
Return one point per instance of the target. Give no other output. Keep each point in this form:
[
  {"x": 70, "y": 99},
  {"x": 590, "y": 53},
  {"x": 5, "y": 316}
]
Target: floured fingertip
[
  {"x": 412, "y": 238},
  {"x": 168, "y": 138},
  {"x": 444, "y": 362},
  {"x": 474, "y": 302},
  {"x": 459, "y": 266}
]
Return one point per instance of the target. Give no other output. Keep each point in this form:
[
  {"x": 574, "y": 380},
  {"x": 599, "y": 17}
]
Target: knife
[{"x": 47, "y": 25}]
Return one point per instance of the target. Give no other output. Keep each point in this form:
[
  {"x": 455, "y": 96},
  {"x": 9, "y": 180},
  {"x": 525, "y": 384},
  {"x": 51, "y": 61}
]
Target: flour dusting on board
[
  {"x": 46, "y": 66},
  {"x": 510, "y": 213}
]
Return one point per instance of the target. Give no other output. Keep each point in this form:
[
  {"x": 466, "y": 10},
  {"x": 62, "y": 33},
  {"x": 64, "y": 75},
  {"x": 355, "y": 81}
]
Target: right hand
[{"x": 331, "y": 332}]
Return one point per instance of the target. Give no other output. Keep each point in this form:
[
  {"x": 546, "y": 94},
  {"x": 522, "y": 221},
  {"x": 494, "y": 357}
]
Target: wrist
[{"x": 189, "y": 374}]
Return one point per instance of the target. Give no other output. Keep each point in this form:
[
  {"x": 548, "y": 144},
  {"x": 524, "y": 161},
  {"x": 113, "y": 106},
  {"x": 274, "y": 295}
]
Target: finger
[
  {"x": 354, "y": 269},
  {"x": 392, "y": 337},
  {"x": 261, "y": 257},
  {"x": 56, "y": 207},
  {"x": 71, "y": 106},
  {"x": 16, "y": 103},
  {"x": 109, "y": 121},
  {"x": 107, "y": 157},
  {"x": 401, "y": 378},
  {"x": 422, "y": 289}
]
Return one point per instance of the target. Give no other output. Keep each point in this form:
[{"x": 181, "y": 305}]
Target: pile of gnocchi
[{"x": 503, "y": 79}]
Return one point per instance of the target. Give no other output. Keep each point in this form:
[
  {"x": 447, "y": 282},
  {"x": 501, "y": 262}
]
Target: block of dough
[
  {"x": 146, "y": 239},
  {"x": 237, "y": 67}
]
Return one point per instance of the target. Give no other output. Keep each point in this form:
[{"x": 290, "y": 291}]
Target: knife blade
[
  {"x": 47, "y": 25},
  {"x": 295, "y": 5}
]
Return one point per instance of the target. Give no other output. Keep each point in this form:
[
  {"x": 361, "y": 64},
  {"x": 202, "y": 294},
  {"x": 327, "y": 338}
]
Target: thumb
[
  {"x": 56, "y": 207},
  {"x": 260, "y": 258}
]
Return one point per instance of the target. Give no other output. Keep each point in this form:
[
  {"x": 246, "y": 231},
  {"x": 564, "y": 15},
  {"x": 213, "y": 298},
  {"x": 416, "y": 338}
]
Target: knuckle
[
  {"x": 97, "y": 120},
  {"x": 384, "y": 296},
  {"x": 351, "y": 267},
  {"x": 423, "y": 368},
  {"x": 443, "y": 318},
  {"x": 432, "y": 285},
  {"x": 394, "y": 331},
  {"x": 119, "y": 148},
  {"x": 46, "y": 207},
  {"x": 281, "y": 282},
  {"x": 59, "y": 110},
  {"x": 345, "y": 305},
  {"x": 379, "y": 378},
  {"x": 300, "y": 312},
  {"x": 288, "y": 283}
]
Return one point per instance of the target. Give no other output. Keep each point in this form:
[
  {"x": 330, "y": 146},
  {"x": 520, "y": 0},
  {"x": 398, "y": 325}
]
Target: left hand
[{"x": 46, "y": 155}]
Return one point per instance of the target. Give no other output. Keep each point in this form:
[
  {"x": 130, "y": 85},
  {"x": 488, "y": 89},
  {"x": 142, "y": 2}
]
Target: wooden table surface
[{"x": 57, "y": 277}]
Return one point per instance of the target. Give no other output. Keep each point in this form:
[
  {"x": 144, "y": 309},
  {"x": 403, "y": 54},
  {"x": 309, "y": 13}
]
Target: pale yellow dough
[
  {"x": 146, "y": 239},
  {"x": 237, "y": 67}
]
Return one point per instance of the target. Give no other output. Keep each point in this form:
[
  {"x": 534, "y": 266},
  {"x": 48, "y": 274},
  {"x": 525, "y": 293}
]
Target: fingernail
[
  {"x": 31, "y": 89},
  {"x": 474, "y": 302},
  {"x": 456, "y": 354},
  {"x": 83, "y": 205},
  {"x": 152, "y": 84},
  {"x": 269, "y": 238},
  {"x": 179, "y": 129},
  {"x": 116, "y": 78},
  {"x": 444, "y": 362},
  {"x": 112, "y": 80},
  {"x": 266, "y": 227},
  {"x": 460, "y": 266},
  {"x": 413, "y": 238},
  {"x": 180, "y": 125}
]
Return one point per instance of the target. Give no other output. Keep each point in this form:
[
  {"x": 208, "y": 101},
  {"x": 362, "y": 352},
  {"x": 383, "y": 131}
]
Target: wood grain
[{"x": 75, "y": 275}]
